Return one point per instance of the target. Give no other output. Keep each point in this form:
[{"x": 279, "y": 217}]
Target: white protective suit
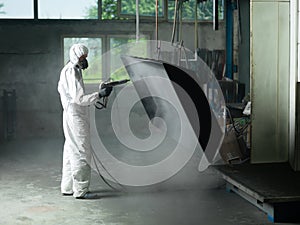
[{"x": 76, "y": 170}]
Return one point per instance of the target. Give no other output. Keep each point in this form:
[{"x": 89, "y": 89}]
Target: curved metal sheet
[{"x": 180, "y": 78}]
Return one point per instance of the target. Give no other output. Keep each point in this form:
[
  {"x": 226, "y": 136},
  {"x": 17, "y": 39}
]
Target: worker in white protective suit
[{"x": 76, "y": 170}]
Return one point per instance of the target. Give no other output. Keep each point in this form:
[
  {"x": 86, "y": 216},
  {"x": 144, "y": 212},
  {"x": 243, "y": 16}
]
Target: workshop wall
[{"x": 31, "y": 56}]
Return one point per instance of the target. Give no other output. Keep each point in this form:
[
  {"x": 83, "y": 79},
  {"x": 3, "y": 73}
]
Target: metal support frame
[
  {"x": 35, "y": 9},
  {"x": 277, "y": 211},
  {"x": 241, "y": 191},
  {"x": 99, "y": 9},
  {"x": 216, "y": 14},
  {"x": 229, "y": 39},
  {"x": 294, "y": 112}
]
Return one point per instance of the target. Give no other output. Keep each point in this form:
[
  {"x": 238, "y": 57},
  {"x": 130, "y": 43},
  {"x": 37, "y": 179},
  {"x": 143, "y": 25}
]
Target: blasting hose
[
  {"x": 96, "y": 162},
  {"x": 102, "y": 105}
]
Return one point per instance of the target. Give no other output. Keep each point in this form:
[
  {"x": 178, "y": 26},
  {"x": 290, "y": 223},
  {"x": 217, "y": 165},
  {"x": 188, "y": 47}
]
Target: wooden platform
[{"x": 273, "y": 187}]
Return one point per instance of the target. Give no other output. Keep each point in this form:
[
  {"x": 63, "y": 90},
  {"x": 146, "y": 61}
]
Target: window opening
[
  {"x": 13, "y": 9},
  {"x": 94, "y": 72},
  {"x": 67, "y": 9}
]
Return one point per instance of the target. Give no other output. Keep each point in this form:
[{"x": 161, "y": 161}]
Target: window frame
[
  {"x": 130, "y": 17},
  {"x": 164, "y": 17},
  {"x": 90, "y": 81},
  {"x": 105, "y": 47}
]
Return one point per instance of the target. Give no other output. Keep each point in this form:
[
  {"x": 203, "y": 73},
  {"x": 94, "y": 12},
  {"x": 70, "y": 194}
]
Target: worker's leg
[
  {"x": 81, "y": 155},
  {"x": 67, "y": 178}
]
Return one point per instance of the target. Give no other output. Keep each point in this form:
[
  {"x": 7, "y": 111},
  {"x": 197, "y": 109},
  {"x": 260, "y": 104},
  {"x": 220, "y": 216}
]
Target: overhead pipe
[{"x": 137, "y": 16}]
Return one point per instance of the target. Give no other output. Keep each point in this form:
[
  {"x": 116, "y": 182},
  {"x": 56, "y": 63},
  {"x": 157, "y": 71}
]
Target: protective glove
[{"x": 105, "y": 92}]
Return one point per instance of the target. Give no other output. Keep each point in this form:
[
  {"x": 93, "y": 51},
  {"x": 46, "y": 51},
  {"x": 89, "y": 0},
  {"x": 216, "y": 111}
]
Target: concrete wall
[{"x": 31, "y": 56}]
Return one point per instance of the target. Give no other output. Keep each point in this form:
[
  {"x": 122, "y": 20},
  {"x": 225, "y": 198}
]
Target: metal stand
[{"x": 9, "y": 114}]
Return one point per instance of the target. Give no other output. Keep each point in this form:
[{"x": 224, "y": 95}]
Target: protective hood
[{"x": 76, "y": 51}]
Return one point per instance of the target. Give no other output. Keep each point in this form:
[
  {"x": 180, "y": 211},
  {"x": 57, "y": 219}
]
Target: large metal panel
[
  {"x": 294, "y": 158},
  {"x": 145, "y": 73},
  {"x": 269, "y": 80},
  {"x": 283, "y": 81}
]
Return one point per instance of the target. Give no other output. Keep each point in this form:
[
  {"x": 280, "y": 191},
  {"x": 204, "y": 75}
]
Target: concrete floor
[{"x": 30, "y": 173}]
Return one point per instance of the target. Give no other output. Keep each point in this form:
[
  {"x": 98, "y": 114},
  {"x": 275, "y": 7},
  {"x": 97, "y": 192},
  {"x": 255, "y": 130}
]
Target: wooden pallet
[{"x": 273, "y": 188}]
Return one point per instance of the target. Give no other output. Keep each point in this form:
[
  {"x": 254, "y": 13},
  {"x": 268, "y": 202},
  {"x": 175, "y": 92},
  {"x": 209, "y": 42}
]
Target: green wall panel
[{"x": 269, "y": 80}]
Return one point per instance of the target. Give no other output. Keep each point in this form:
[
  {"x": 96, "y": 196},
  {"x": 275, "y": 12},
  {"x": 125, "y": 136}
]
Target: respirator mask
[{"x": 83, "y": 64}]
